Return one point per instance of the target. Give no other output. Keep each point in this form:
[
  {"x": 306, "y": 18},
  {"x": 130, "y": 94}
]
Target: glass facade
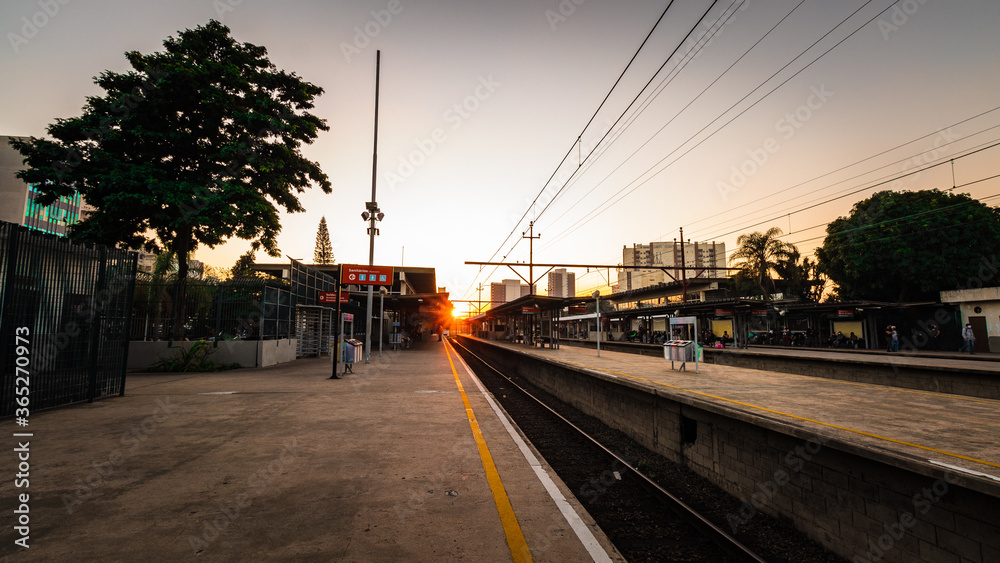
[{"x": 55, "y": 218}]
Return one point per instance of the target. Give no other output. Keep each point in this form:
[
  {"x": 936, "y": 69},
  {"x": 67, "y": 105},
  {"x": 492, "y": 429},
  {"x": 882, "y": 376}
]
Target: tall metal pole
[
  {"x": 372, "y": 210},
  {"x": 381, "y": 318},
  {"x": 597, "y": 296},
  {"x": 684, "y": 281}
]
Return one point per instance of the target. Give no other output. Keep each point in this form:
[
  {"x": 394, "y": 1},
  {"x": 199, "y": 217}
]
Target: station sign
[
  {"x": 845, "y": 312},
  {"x": 758, "y": 312},
  {"x": 531, "y": 310},
  {"x": 578, "y": 309},
  {"x": 723, "y": 312},
  {"x": 366, "y": 275},
  {"x": 331, "y": 297}
]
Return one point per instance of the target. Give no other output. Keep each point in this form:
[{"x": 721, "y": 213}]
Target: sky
[{"x": 770, "y": 113}]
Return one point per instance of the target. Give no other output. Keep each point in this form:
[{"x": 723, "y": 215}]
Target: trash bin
[{"x": 352, "y": 351}]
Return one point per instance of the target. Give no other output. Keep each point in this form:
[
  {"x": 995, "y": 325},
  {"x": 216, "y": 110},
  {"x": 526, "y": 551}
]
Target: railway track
[{"x": 644, "y": 520}]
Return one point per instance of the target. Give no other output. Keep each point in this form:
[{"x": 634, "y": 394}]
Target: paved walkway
[
  {"x": 911, "y": 426},
  {"x": 283, "y": 463}
]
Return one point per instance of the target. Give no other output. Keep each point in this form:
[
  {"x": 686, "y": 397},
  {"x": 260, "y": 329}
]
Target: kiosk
[{"x": 683, "y": 344}]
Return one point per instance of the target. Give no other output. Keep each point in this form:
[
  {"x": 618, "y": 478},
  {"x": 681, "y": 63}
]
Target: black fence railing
[
  {"x": 64, "y": 310},
  {"x": 237, "y": 309}
]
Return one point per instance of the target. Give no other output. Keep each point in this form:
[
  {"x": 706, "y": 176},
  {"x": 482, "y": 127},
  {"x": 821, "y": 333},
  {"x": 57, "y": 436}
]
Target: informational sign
[
  {"x": 574, "y": 309},
  {"x": 758, "y": 312},
  {"x": 723, "y": 312},
  {"x": 331, "y": 297},
  {"x": 845, "y": 312},
  {"x": 367, "y": 275},
  {"x": 528, "y": 310}
]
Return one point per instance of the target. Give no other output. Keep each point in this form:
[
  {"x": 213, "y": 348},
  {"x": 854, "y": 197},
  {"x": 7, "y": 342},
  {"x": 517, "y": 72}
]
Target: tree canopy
[
  {"x": 196, "y": 144},
  {"x": 758, "y": 255},
  {"x": 908, "y": 246}
]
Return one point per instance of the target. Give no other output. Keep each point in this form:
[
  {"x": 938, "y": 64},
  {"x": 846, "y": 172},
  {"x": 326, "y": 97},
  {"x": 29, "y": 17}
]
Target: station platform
[
  {"x": 405, "y": 460},
  {"x": 912, "y": 427}
]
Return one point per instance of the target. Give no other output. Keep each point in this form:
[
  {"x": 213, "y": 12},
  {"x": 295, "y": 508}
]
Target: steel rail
[{"x": 726, "y": 542}]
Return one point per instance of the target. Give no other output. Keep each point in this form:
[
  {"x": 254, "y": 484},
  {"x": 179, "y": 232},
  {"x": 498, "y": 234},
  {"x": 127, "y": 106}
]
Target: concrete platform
[
  {"x": 914, "y": 428},
  {"x": 282, "y": 463}
]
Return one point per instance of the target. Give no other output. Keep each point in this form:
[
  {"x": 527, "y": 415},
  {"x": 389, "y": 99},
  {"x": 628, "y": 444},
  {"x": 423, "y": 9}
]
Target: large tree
[
  {"x": 758, "y": 255},
  {"x": 905, "y": 246},
  {"x": 194, "y": 145},
  {"x": 323, "y": 254}
]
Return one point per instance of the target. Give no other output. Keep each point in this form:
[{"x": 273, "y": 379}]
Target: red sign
[
  {"x": 331, "y": 297},
  {"x": 366, "y": 275},
  {"x": 845, "y": 313},
  {"x": 531, "y": 310},
  {"x": 723, "y": 312},
  {"x": 578, "y": 309},
  {"x": 758, "y": 312}
]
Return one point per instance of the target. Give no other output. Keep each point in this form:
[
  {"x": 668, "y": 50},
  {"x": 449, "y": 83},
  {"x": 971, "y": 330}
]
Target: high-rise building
[
  {"x": 670, "y": 256},
  {"x": 506, "y": 291},
  {"x": 562, "y": 283},
  {"x": 17, "y": 198}
]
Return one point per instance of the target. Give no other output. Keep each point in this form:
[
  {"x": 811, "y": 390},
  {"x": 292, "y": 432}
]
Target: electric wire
[
  {"x": 598, "y": 211},
  {"x": 570, "y": 151}
]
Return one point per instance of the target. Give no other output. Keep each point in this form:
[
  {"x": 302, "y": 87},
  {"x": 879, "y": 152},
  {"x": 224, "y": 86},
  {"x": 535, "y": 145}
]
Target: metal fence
[
  {"x": 64, "y": 310},
  {"x": 237, "y": 309}
]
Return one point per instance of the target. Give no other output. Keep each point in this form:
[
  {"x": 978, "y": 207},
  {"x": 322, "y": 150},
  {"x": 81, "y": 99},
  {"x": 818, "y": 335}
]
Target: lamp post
[
  {"x": 597, "y": 295},
  {"x": 381, "y": 317},
  {"x": 372, "y": 214}
]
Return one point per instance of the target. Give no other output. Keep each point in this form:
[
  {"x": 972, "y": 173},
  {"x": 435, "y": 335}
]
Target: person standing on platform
[
  {"x": 895, "y": 339},
  {"x": 888, "y": 338},
  {"x": 970, "y": 339}
]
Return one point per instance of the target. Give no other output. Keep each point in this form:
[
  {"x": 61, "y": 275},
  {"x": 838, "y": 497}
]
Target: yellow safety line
[
  {"x": 515, "y": 537},
  {"x": 772, "y": 411}
]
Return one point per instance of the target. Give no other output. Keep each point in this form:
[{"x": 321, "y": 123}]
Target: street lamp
[
  {"x": 372, "y": 214},
  {"x": 381, "y": 316},
  {"x": 597, "y": 295}
]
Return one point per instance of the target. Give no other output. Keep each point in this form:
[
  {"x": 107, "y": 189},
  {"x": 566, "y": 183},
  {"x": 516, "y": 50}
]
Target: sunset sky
[{"x": 480, "y": 100}]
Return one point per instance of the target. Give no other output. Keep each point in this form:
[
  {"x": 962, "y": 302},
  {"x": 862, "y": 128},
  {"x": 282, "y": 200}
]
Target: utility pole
[
  {"x": 531, "y": 256},
  {"x": 373, "y": 213},
  {"x": 479, "y": 304},
  {"x": 684, "y": 283}
]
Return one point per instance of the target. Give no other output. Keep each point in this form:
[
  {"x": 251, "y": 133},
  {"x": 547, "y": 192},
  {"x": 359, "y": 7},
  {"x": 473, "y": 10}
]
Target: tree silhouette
[
  {"x": 324, "y": 250},
  {"x": 193, "y": 145},
  {"x": 759, "y": 254}
]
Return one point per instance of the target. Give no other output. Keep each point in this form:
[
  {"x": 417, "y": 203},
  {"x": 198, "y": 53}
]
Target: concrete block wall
[{"x": 860, "y": 504}]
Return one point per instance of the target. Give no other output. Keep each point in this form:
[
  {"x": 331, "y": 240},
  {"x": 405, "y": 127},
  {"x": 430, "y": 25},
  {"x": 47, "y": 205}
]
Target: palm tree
[{"x": 759, "y": 254}]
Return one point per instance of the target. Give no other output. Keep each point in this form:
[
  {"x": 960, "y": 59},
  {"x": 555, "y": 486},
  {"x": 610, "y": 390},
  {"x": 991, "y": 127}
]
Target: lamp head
[
  {"x": 595, "y": 294},
  {"x": 380, "y": 216},
  {"x": 365, "y": 215}
]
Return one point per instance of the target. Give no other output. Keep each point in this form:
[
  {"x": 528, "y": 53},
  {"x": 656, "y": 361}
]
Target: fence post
[
  {"x": 7, "y": 298},
  {"x": 97, "y": 311},
  {"x": 132, "y": 258}
]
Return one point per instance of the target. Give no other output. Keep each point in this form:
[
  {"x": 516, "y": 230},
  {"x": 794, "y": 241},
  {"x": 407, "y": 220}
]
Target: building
[
  {"x": 17, "y": 198},
  {"x": 562, "y": 283},
  {"x": 664, "y": 260},
  {"x": 506, "y": 291}
]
